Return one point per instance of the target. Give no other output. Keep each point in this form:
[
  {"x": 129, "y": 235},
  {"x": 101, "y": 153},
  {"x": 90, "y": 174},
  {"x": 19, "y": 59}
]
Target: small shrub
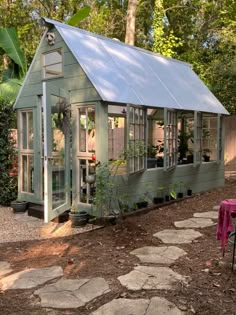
[{"x": 8, "y": 182}]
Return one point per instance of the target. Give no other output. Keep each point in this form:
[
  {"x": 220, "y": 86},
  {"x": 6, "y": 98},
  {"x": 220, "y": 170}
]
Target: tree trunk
[{"x": 130, "y": 23}]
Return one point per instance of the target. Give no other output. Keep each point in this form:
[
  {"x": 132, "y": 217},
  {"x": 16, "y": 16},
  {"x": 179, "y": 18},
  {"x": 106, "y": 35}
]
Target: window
[
  {"x": 136, "y": 139},
  {"x": 26, "y": 150},
  {"x": 219, "y": 138},
  {"x": 52, "y": 64},
  {"x": 171, "y": 147},
  {"x": 155, "y": 147},
  {"x": 210, "y": 143},
  {"x": 198, "y": 138}
]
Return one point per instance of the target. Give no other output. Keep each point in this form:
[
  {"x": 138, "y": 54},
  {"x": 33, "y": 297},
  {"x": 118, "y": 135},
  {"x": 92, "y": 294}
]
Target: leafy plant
[{"x": 8, "y": 154}]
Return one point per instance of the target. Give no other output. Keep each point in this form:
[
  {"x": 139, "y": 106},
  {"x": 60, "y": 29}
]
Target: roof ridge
[{"x": 118, "y": 42}]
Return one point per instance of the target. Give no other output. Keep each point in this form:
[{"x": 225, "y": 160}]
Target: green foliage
[
  {"x": 10, "y": 44},
  {"x": 79, "y": 16},
  {"x": 164, "y": 40},
  {"x": 8, "y": 183},
  {"x": 106, "y": 186}
]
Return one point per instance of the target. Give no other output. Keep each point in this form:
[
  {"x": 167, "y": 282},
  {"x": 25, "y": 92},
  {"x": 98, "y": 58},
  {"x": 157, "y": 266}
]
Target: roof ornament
[{"x": 51, "y": 38}]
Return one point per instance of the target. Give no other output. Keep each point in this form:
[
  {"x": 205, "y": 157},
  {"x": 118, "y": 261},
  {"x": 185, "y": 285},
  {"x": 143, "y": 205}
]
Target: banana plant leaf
[
  {"x": 79, "y": 16},
  {"x": 10, "y": 44},
  {"x": 10, "y": 88}
]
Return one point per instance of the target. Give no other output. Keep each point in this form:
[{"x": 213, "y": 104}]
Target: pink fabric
[{"x": 224, "y": 226}]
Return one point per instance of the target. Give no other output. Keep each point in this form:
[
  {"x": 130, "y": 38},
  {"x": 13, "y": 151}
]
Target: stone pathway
[
  {"x": 194, "y": 223},
  {"x": 67, "y": 293},
  {"x": 151, "y": 278},
  {"x": 30, "y": 278},
  {"x": 62, "y": 293},
  {"x": 159, "y": 255},
  {"x": 154, "y": 306},
  {"x": 177, "y": 236}
]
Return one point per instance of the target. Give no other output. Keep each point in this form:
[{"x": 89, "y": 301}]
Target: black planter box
[
  {"x": 141, "y": 204},
  {"x": 157, "y": 200},
  {"x": 180, "y": 195},
  {"x": 151, "y": 162},
  {"x": 189, "y": 192},
  {"x": 167, "y": 198}
]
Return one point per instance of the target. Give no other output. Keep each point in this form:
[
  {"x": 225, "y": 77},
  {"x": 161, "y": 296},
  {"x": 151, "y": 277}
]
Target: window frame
[
  {"x": 197, "y": 154},
  {"x": 44, "y": 65},
  {"x": 136, "y": 147},
  {"x": 26, "y": 152},
  {"x": 170, "y": 139}
]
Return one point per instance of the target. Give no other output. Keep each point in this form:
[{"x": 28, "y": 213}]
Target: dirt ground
[{"x": 105, "y": 253}]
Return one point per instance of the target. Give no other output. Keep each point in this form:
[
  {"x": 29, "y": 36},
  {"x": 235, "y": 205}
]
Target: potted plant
[
  {"x": 160, "y": 195},
  {"x": 19, "y": 205},
  {"x": 151, "y": 156},
  {"x": 206, "y": 154},
  {"x": 78, "y": 218},
  {"x": 180, "y": 193}
]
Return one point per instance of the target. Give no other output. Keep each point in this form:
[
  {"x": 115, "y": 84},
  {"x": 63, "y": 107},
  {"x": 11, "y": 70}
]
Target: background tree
[{"x": 130, "y": 22}]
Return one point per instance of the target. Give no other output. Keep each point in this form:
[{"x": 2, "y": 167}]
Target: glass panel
[
  {"x": 24, "y": 130},
  {"x": 87, "y": 185},
  {"x": 209, "y": 138},
  {"x": 58, "y": 154},
  {"x": 24, "y": 173},
  {"x": 86, "y": 129},
  {"x": 31, "y": 172},
  {"x": 30, "y": 130},
  {"x": 58, "y": 182},
  {"x": 52, "y": 63},
  {"x": 116, "y": 125},
  {"x": 82, "y": 129},
  {"x": 52, "y": 57},
  {"x": 28, "y": 173},
  {"x": 53, "y": 70}
]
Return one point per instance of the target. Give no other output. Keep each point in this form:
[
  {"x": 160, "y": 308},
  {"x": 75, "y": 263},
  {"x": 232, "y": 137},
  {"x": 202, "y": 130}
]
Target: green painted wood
[
  {"x": 32, "y": 90},
  {"x": 79, "y": 83},
  {"x": 89, "y": 95},
  {"x": 69, "y": 59},
  {"x": 101, "y": 132},
  {"x": 38, "y": 153},
  {"x": 27, "y": 102},
  {"x": 73, "y": 70},
  {"x": 35, "y": 78},
  {"x": 74, "y": 78},
  {"x": 205, "y": 177}
]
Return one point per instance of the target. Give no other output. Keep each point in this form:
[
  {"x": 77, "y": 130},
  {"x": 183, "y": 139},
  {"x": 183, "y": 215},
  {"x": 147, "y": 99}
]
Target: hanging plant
[{"x": 62, "y": 121}]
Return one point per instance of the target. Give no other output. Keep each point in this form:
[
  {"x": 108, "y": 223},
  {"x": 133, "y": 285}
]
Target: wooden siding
[
  {"x": 73, "y": 79},
  {"x": 205, "y": 177},
  {"x": 230, "y": 141}
]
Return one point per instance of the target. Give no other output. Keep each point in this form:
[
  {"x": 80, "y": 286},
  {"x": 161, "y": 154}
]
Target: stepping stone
[
  {"x": 194, "y": 223},
  {"x": 68, "y": 293},
  {"x": 178, "y": 236},
  {"x": 216, "y": 208},
  {"x": 208, "y": 215},
  {"x": 158, "y": 255},
  {"x": 151, "y": 278},
  {"x": 4, "y": 268},
  {"x": 154, "y": 306},
  {"x": 30, "y": 278}
]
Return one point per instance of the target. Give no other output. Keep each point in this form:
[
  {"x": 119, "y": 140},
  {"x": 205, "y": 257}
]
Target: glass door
[{"x": 56, "y": 151}]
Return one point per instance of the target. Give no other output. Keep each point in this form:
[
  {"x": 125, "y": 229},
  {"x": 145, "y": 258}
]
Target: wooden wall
[{"x": 230, "y": 141}]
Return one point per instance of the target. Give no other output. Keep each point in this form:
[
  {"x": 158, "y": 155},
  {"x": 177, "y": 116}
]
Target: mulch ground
[{"x": 105, "y": 253}]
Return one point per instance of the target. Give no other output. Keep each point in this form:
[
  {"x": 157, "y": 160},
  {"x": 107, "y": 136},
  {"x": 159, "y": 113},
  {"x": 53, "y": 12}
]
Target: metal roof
[{"x": 126, "y": 74}]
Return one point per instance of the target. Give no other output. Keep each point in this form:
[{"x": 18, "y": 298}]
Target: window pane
[
  {"x": 24, "y": 130},
  {"x": 52, "y": 57},
  {"x": 53, "y": 70},
  {"x": 52, "y": 64}
]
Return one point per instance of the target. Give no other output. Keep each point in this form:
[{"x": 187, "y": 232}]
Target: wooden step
[{"x": 37, "y": 211}]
